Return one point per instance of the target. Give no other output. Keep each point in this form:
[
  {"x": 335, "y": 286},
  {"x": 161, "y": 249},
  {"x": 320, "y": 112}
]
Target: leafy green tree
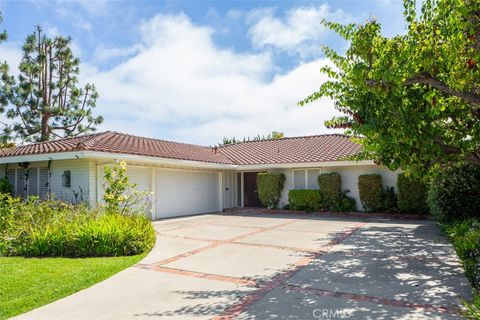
[
  {"x": 271, "y": 136},
  {"x": 46, "y": 101},
  {"x": 412, "y": 100}
]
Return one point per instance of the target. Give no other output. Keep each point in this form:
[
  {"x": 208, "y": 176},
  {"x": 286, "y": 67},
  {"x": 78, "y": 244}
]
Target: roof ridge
[
  {"x": 288, "y": 138},
  {"x": 157, "y": 139},
  {"x": 89, "y": 140}
]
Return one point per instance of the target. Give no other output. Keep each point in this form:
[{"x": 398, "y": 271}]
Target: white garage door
[{"x": 182, "y": 192}]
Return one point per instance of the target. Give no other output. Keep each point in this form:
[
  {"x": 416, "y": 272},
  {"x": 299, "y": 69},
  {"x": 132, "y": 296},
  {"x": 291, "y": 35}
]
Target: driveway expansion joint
[{"x": 250, "y": 299}]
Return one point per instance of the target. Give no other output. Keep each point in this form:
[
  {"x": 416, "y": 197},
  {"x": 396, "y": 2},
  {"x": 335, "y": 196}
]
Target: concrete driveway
[{"x": 222, "y": 266}]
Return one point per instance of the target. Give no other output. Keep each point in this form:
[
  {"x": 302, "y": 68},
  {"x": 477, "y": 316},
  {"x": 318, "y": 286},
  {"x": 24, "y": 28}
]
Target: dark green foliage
[
  {"x": 53, "y": 228},
  {"x": 454, "y": 193},
  {"x": 370, "y": 189},
  {"x": 412, "y": 194},
  {"x": 5, "y": 186},
  {"x": 270, "y": 186},
  {"x": 388, "y": 200},
  {"x": 305, "y": 200},
  {"x": 331, "y": 187},
  {"x": 345, "y": 203}
]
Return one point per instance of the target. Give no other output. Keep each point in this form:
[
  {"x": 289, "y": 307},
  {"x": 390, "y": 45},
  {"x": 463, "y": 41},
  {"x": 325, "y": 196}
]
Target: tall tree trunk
[{"x": 45, "y": 129}]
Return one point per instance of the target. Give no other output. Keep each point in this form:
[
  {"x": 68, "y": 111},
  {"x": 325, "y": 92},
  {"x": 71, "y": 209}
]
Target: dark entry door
[{"x": 250, "y": 191}]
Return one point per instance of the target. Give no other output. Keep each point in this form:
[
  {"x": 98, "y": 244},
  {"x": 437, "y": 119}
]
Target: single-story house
[{"x": 183, "y": 178}]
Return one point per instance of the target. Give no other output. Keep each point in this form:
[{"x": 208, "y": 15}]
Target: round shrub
[
  {"x": 270, "y": 186},
  {"x": 412, "y": 194},
  {"x": 370, "y": 189},
  {"x": 454, "y": 193},
  {"x": 331, "y": 187},
  {"x": 5, "y": 186}
]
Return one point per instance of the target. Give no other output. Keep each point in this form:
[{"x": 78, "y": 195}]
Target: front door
[{"x": 250, "y": 191}]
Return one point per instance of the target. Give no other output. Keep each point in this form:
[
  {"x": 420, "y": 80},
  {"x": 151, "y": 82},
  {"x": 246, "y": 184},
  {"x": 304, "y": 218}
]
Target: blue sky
[{"x": 196, "y": 71}]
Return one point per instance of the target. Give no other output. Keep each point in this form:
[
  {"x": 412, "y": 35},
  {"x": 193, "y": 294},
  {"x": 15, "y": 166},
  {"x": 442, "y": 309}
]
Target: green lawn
[{"x": 28, "y": 283}]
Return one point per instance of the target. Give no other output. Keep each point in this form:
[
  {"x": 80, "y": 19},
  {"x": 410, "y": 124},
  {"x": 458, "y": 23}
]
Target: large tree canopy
[
  {"x": 46, "y": 101},
  {"x": 414, "y": 99}
]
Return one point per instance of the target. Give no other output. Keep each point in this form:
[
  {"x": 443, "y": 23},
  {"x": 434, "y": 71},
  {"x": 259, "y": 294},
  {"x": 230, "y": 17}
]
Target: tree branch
[{"x": 425, "y": 78}]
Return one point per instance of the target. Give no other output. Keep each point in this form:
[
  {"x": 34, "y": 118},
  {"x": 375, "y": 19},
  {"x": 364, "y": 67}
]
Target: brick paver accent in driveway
[{"x": 283, "y": 267}]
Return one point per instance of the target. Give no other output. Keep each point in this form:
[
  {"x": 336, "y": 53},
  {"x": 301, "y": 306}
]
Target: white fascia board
[
  {"x": 251, "y": 167},
  {"x": 156, "y": 160},
  {"x": 44, "y": 157},
  {"x": 176, "y": 162}
]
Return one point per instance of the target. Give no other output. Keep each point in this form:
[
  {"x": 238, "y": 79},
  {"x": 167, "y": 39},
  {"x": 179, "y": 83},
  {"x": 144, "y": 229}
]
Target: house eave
[
  {"x": 96, "y": 155},
  {"x": 300, "y": 165}
]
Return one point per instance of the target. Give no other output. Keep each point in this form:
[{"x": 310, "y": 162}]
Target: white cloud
[
  {"x": 182, "y": 86},
  {"x": 12, "y": 54},
  {"x": 103, "y": 53},
  {"x": 298, "y": 31}
]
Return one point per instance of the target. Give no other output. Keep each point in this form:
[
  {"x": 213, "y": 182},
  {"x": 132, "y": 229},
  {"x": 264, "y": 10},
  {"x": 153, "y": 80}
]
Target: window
[
  {"x": 66, "y": 179},
  {"x": 299, "y": 179},
  {"x": 313, "y": 179}
]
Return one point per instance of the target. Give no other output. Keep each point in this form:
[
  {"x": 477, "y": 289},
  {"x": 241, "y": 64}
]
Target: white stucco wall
[{"x": 349, "y": 179}]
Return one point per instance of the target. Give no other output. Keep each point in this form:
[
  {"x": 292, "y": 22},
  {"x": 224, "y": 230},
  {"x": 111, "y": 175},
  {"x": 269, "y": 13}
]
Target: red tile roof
[
  {"x": 320, "y": 148},
  {"x": 288, "y": 150}
]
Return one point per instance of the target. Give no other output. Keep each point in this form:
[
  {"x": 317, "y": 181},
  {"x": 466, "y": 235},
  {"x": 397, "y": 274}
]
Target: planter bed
[{"x": 410, "y": 216}]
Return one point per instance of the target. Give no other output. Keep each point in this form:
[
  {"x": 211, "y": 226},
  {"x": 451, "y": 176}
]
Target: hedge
[
  {"x": 370, "y": 189},
  {"x": 331, "y": 187},
  {"x": 270, "y": 186},
  {"x": 454, "y": 193},
  {"x": 412, "y": 194},
  {"x": 306, "y": 200}
]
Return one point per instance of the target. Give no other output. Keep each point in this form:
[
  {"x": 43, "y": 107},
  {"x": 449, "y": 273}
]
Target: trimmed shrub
[
  {"x": 370, "y": 189},
  {"x": 412, "y": 195},
  {"x": 54, "y": 228},
  {"x": 331, "y": 188},
  {"x": 388, "y": 200},
  {"x": 306, "y": 200},
  {"x": 345, "y": 203},
  {"x": 454, "y": 193},
  {"x": 5, "y": 186},
  {"x": 270, "y": 186}
]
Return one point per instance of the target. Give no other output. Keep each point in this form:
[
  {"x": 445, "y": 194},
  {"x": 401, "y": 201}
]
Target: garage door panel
[{"x": 181, "y": 192}]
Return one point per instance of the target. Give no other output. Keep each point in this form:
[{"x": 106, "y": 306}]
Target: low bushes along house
[{"x": 183, "y": 178}]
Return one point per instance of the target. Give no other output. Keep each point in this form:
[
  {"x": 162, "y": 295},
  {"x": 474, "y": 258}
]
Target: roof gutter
[
  {"x": 44, "y": 157},
  {"x": 296, "y": 165},
  {"x": 96, "y": 155},
  {"x": 158, "y": 161}
]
